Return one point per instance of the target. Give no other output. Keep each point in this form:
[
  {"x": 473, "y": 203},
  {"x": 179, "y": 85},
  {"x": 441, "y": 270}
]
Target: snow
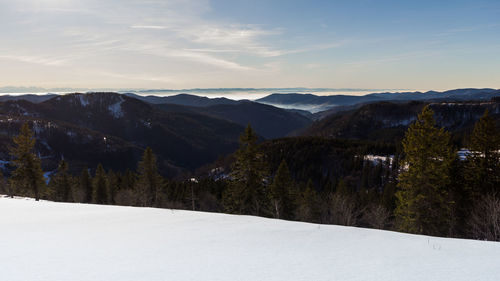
[
  {"x": 463, "y": 153},
  {"x": 379, "y": 159},
  {"x": 83, "y": 100},
  {"x": 70, "y": 133},
  {"x": 399, "y": 122},
  {"x": 3, "y": 163},
  {"x": 62, "y": 241},
  {"x": 48, "y": 175},
  {"x": 116, "y": 109}
]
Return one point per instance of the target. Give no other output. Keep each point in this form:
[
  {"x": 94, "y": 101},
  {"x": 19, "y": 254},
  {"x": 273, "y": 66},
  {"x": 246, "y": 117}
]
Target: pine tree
[
  {"x": 365, "y": 176},
  {"x": 61, "y": 183},
  {"x": 128, "y": 180},
  {"x": 281, "y": 193},
  {"x": 246, "y": 191},
  {"x": 482, "y": 168},
  {"x": 308, "y": 204},
  {"x": 149, "y": 182},
  {"x": 28, "y": 175},
  {"x": 100, "y": 194},
  {"x": 481, "y": 204},
  {"x": 113, "y": 180},
  {"x": 86, "y": 185},
  {"x": 423, "y": 203},
  {"x": 4, "y": 186},
  {"x": 342, "y": 188}
]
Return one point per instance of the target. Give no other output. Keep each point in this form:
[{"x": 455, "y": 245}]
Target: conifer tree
[
  {"x": 308, "y": 204},
  {"x": 281, "y": 192},
  {"x": 246, "y": 191},
  {"x": 100, "y": 194},
  {"x": 128, "y": 180},
  {"x": 61, "y": 183},
  {"x": 113, "y": 180},
  {"x": 365, "y": 176},
  {"x": 86, "y": 185},
  {"x": 28, "y": 175},
  {"x": 422, "y": 199},
  {"x": 482, "y": 168},
  {"x": 149, "y": 182},
  {"x": 4, "y": 186},
  {"x": 342, "y": 187}
]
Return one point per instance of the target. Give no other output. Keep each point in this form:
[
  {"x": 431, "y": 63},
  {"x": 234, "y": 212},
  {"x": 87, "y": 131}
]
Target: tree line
[{"x": 424, "y": 189}]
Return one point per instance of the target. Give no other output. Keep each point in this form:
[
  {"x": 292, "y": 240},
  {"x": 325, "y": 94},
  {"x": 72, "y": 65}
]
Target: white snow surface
[{"x": 63, "y": 241}]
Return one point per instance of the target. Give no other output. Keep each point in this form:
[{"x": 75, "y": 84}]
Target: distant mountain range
[
  {"x": 314, "y": 103},
  {"x": 300, "y": 102},
  {"x": 388, "y": 121},
  {"x": 28, "y": 97},
  {"x": 183, "y": 99},
  {"x": 188, "y": 131}
]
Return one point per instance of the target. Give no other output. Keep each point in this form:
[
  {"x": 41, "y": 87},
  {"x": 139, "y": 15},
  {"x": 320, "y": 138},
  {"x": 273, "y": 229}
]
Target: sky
[{"x": 182, "y": 44}]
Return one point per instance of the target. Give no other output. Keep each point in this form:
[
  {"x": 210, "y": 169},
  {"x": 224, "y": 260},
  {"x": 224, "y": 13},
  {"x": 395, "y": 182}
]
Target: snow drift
[{"x": 61, "y": 241}]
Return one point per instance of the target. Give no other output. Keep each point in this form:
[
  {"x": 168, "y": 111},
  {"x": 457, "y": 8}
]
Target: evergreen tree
[
  {"x": 86, "y": 185},
  {"x": 281, "y": 192},
  {"x": 4, "y": 186},
  {"x": 61, "y": 183},
  {"x": 365, "y": 176},
  {"x": 482, "y": 168},
  {"x": 28, "y": 175},
  {"x": 481, "y": 204},
  {"x": 100, "y": 194},
  {"x": 113, "y": 184},
  {"x": 149, "y": 182},
  {"x": 246, "y": 191},
  {"x": 308, "y": 204},
  {"x": 422, "y": 199},
  {"x": 128, "y": 180},
  {"x": 126, "y": 193},
  {"x": 342, "y": 188}
]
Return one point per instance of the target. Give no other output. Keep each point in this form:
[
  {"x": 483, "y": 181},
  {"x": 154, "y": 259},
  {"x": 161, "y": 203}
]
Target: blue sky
[{"x": 419, "y": 45}]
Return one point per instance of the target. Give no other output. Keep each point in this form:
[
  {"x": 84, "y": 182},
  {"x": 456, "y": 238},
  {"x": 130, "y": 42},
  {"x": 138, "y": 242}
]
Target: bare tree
[
  {"x": 343, "y": 210},
  {"x": 377, "y": 216},
  {"x": 485, "y": 218}
]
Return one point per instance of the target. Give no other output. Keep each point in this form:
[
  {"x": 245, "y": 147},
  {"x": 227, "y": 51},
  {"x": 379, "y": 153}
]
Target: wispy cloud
[
  {"x": 48, "y": 61},
  {"x": 148, "y": 27},
  {"x": 101, "y": 37}
]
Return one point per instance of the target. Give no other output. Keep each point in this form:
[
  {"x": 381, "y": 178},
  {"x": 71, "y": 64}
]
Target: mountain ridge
[{"x": 315, "y": 103}]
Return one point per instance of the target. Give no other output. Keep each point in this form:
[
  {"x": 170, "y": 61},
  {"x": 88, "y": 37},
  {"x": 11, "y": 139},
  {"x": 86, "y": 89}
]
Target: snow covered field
[{"x": 59, "y": 241}]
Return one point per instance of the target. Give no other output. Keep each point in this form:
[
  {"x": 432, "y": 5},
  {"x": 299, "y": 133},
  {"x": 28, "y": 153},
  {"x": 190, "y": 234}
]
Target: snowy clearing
[{"x": 62, "y": 241}]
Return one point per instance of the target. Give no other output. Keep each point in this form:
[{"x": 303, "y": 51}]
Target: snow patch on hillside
[
  {"x": 398, "y": 122},
  {"x": 62, "y": 241},
  {"x": 379, "y": 159},
  {"x": 84, "y": 102},
  {"x": 116, "y": 109}
]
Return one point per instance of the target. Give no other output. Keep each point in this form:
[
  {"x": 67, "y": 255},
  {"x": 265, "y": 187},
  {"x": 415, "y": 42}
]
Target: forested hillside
[
  {"x": 388, "y": 121},
  {"x": 268, "y": 121},
  {"x": 115, "y": 128}
]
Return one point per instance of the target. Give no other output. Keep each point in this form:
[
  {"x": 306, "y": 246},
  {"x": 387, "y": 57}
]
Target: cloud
[
  {"x": 36, "y": 60},
  {"x": 97, "y": 37},
  {"x": 148, "y": 26}
]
